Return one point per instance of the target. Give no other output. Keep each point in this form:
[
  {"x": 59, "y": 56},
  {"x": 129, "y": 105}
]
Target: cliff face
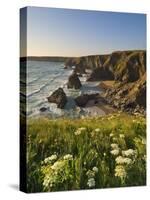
[{"x": 126, "y": 68}]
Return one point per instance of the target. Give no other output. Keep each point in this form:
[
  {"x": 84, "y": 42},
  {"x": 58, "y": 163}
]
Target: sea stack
[
  {"x": 59, "y": 97},
  {"x": 74, "y": 81}
]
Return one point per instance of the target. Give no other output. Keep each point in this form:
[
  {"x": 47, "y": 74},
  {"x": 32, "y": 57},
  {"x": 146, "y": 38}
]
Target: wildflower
[
  {"x": 127, "y": 161},
  {"x": 123, "y": 160},
  {"x": 129, "y": 152},
  {"x": 121, "y": 136},
  {"x": 120, "y": 160},
  {"x": 120, "y": 171},
  {"x": 111, "y": 135},
  {"x": 90, "y": 173},
  {"x": 104, "y": 154},
  {"x": 91, "y": 182},
  {"x": 97, "y": 130},
  {"x": 48, "y": 160},
  {"x": 68, "y": 157},
  {"x": 95, "y": 169},
  {"x": 80, "y": 130},
  {"x": 143, "y": 141},
  {"x": 115, "y": 152},
  {"x": 114, "y": 146}
]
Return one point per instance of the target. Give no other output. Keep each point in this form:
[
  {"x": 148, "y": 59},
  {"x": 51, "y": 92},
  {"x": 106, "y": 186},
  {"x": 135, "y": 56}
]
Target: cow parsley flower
[
  {"x": 80, "y": 130},
  {"x": 97, "y": 130},
  {"x": 90, "y": 173},
  {"x": 129, "y": 152},
  {"x": 115, "y": 152},
  {"x": 95, "y": 169},
  {"x": 120, "y": 171},
  {"x": 48, "y": 160},
  {"x": 121, "y": 136},
  {"x": 123, "y": 160},
  {"x": 114, "y": 146},
  {"x": 68, "y": 157},
  {"x": 111, "y": 135},
  {"x": 91, "y": 182}
]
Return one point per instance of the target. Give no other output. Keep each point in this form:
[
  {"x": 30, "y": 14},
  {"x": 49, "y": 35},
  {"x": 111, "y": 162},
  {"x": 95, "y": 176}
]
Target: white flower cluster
[
  {"x": 129, "y": 152},
  {"x": 115, "y": 149},
  {"x": 91, "y": 182},
  {"x": 123, "y": 160},
  {"x": 122, "y": 136},
  {"x": 49, "y": 160},
  {"x": 95, "y": 169},
  {"x": 68, "y": 157},
  {"x": 91, "y": 177},
  {"x": 97, "y": 130},
  {"x": 120, "y": 171},
  {"x": 111, "y": 135},
  {"x": 80, "y": 130},
  {"x": 114, "y": 146}
]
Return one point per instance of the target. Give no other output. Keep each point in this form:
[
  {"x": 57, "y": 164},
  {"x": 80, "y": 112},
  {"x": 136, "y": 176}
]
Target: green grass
[{"x": 87, "y": 148}]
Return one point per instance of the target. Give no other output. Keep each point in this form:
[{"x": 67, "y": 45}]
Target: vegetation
[{"x": 101, "y": 152}]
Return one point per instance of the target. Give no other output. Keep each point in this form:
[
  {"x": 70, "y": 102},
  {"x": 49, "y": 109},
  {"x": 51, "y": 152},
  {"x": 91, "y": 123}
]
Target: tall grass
[{"x": 75, "y": 154}]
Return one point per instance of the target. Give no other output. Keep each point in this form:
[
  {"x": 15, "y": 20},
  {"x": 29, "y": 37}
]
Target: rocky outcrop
[
  {"x": 101, "y": 73},
  {"x": 74, "y": 81},
  {"x": 126, "y": 66},
  {"x": 130, "y": 97},
  {"x": 83, "y": 99},
  {"x": 58, "y": 97}
]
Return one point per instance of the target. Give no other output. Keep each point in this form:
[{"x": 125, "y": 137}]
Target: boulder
[
  {"x": 74, "y": 81},
  {"x": 83, "y": 99},
  {"x": 59, "y": 97}
]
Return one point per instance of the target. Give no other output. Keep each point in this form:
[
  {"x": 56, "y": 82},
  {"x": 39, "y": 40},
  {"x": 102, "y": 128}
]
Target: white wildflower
[
  {"x": 48, "y": 160},
  {"x": 114, "y": 146},
  {"x": 127, "y": 161},
  {"x": 111, "y": 135},
  {"x": 80, "y": 130},
  {"x": 91, "y": 182},
  {"x": 143, "y": 141},
  {"x": 120, "y": 171},
  {"x": 97, "y": 130},
  {"x": 119, "y": 160},
  {"x": 90, "y": 173},
  {"x": 121, "y": 136},
  {"x": 123, "y": 160},
  {"x": 115, "y": 152},
  {"x": 95, "y": 169},
  {"x": 68, "y": 157},
  {"x": 129, "y": 152}
]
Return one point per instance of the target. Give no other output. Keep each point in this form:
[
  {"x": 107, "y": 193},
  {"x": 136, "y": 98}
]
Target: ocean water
[{"x": 43, "y": 78}]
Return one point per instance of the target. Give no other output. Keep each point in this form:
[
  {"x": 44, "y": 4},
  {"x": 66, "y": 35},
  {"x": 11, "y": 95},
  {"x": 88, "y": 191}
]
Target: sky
[{"x": 64, "y": 32}]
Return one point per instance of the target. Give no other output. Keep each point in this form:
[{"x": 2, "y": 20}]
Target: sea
[{"x": 43, "y": 78}]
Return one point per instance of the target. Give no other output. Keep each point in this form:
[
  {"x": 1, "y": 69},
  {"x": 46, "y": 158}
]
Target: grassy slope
[{"x": 90, "y": 148}]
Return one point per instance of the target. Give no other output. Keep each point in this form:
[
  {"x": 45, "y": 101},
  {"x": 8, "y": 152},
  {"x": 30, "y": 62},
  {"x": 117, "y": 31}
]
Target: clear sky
[{"x": 64, "y": 32}]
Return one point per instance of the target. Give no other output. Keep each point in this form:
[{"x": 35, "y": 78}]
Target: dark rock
[
  {"x": 83, "y": 99},
  {"x": 101, "y": 73},
  {"x": 74, "y": 81},
  {"x": 58, "y": 97},
  {"x": 43, "y": 109}
]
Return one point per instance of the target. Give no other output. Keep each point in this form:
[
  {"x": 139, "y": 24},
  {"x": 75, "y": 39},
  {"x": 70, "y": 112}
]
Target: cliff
[{"x": 126, "y": 68}]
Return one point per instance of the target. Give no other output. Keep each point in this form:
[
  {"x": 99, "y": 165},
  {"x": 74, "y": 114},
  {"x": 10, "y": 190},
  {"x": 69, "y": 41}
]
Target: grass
[{"x": 67, "y": 154}]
